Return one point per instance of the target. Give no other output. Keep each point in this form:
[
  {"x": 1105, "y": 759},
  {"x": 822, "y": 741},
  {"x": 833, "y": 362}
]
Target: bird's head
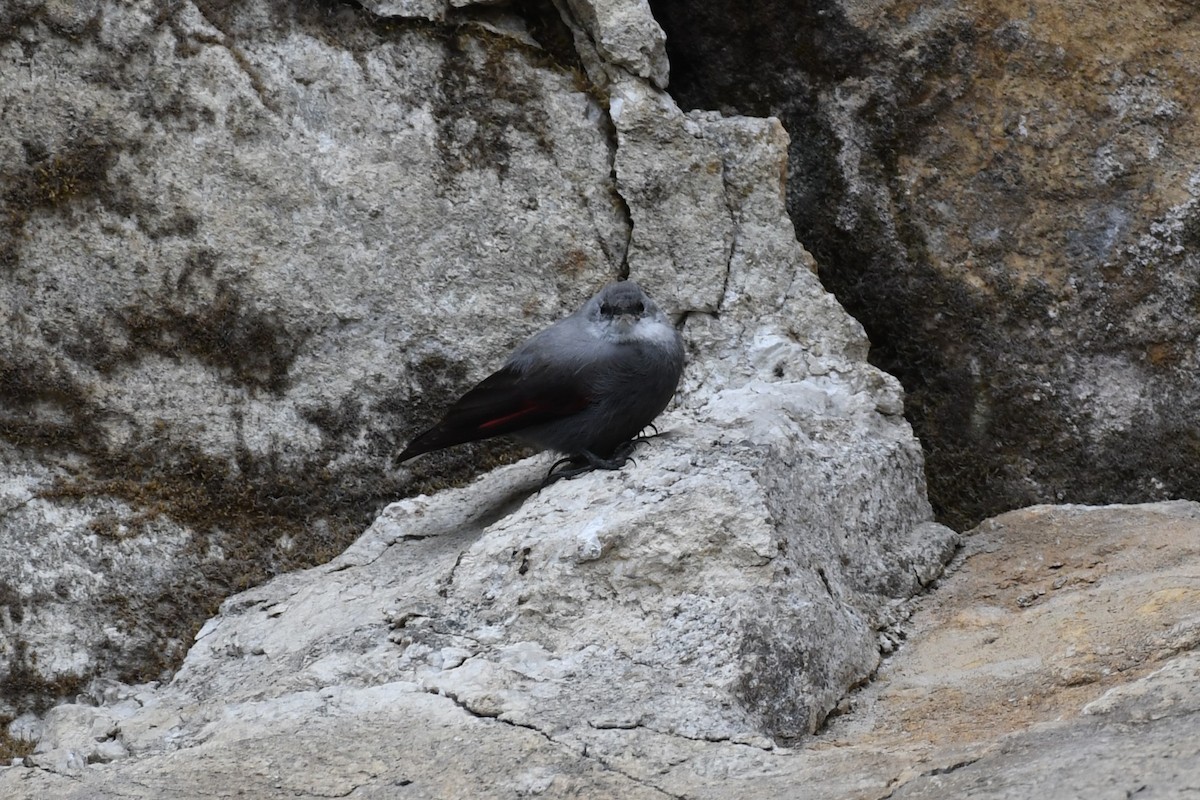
[{"x": 622, "y": 312}]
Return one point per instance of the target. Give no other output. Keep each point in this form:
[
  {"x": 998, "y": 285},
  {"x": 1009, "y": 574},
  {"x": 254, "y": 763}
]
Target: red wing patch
[
  {"x": 534, "y": 410},
  {"x": 504, "y": 402}
]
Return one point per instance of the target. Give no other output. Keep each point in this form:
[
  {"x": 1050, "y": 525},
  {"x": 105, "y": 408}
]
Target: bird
[{"x": 585, "y": 387}]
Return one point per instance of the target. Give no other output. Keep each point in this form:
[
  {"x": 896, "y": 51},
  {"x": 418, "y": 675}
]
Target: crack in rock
[
  {"x": 951, "y": 768},
  {"x": 627, "y": 725},
  {"x": 897, "y": 783},
  {"x": 226, "y": 40},
  {"x": 580, "y": 752},
  {"x": 734, "y": 227},
  {"x": 14, "y": 508},
  {"x": 448, "y": 580}
]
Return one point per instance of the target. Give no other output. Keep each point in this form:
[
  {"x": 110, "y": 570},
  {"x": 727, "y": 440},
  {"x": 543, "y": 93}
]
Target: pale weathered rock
[
  {"x": 733, "y": 582},
  {"x": 420, "y": 9},
  {"x": 624, "y": 37},
  {"x": 671, "y": 629},
  {"x": 304, "y": 228},
  {"x": 1056, "y": 659},
  {"x": 247, "y": 249},
  {"x": 753, "y": 556},
  {"x": 681, "y": 580}
]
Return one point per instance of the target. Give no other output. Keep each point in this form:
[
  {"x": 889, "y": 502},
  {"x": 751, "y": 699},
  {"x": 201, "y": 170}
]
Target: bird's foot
[
  {"x": 571, "y": 471},
  {"x": 586, "y": 461}
]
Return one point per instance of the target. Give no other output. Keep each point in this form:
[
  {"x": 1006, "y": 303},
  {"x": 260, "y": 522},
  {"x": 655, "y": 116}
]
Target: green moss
[
  {"x": 242, "y": 505},
  {"x": 484, "y": 104},
  {"x": 338, "y": 423},
  {"x": 79, "y": 169},
  {"x": 44, "y": 408}
]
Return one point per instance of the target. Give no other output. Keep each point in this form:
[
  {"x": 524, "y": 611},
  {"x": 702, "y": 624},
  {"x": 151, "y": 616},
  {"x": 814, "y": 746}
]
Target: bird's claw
[
  {"x": 642, "y": 437},
  {"x": 586, "y": 461}
]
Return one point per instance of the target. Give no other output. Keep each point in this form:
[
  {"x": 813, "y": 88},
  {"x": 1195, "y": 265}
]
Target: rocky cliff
[
  {"x": 444, "y": 656},
  {"x": 248, "y": 248},
  {"x": 1005, "y": 195}
]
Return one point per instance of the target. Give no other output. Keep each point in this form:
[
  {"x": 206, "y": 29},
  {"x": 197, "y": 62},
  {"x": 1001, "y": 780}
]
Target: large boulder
[
  {"x": 453, "y": 653},
  {"x": 361, "y": 202}
]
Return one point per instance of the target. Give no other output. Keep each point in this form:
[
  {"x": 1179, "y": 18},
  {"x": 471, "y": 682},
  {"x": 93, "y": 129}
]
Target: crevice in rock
[
  {"x": 552, "y": 31},
  {"x": 448, "y": 581},
  {"x": 615, "y": 726},
  {"x": 613, "y": 139},
  {"x": 951, "y": 768},
  {"x": 733, "y": 225},
  {"x": 622, "y": 203},
  {"x": 227, "y": 41},
  {"x": 633, "y": 726},
  {"x": 825, "y": 582},
  {"x": 898, "y": 783},
  {"x": 578, "y": 29},
  {"x": 600, "y": 96},
  {"x": 581, "y": 752}
]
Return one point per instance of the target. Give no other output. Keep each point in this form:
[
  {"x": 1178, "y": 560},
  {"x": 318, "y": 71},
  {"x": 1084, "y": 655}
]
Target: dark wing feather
[{"x": 507, "y": 401}]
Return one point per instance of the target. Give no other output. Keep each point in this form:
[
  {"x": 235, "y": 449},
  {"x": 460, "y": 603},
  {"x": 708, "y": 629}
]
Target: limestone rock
[
  {"x": 734, "y": 581},
  {"x": 1059, "y": 660},
  {"x": 247, "y": 249},
  {"x": 753, "y": 556},
  {"x": 701, "y": 581},
  {"x": 418, "y": 9},
  {"x": 303, "y": 228},
  {"x": 622, "y": 38},
  {"x": 1057, "y": 657}
]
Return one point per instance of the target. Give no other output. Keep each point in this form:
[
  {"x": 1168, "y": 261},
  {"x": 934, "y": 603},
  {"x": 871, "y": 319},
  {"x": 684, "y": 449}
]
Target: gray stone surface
[
  {"x": 1056, "y": 658},
  {"x": 361, "y": 207},
  {"x": 619, "y": 40},
  {"x": 681, "y": 628},
  {"x": 303, "y": 229},
  {"x": 247, "y": 248},
  {"x": 753, "y": 555}
]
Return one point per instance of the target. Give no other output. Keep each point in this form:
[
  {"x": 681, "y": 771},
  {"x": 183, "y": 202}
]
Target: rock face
[
  {"x": 310, "y": 224},
  {"x": 734, "y": 582},
  {"x": 1005, "y": 194},
  {"x": 246, "y": 249},
  {"x": 1057, "y": 658},
  {"x": 302, "y": 229}
]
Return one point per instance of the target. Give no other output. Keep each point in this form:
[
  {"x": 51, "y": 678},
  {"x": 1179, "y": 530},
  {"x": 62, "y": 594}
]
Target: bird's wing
[{"x": 507, "y": 401}]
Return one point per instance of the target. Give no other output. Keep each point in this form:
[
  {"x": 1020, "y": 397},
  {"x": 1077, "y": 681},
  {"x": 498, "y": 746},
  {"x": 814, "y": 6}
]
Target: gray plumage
[{"x": 584, "y": 387}]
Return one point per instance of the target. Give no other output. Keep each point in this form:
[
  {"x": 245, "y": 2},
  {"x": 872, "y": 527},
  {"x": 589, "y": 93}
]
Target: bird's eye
[
  {"x": 638, "y": 308},
  {"x": 606, "y": 310}
]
